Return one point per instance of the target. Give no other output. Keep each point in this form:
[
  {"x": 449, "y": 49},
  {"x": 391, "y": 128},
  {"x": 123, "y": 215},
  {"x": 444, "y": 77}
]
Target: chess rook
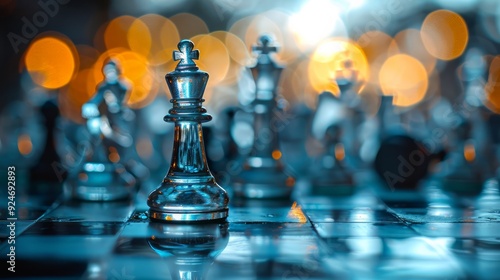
[
  {"x": 103, "y": 176},
  {"x": 189, "y": 192},
  {"x": 263, "y": 174}
]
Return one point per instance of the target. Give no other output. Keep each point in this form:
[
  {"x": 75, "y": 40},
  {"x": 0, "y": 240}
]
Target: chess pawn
[
  {"x": 329, "y": 174},
  {"x": 263, "y": 174},
  {"x": 189, "y": 249},
  {"x": 189, "y": 191},
  {"x": 102, "y": 175}
]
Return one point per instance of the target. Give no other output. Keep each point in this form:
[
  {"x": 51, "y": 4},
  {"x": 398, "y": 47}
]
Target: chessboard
[{"x": 424, "y": 234}]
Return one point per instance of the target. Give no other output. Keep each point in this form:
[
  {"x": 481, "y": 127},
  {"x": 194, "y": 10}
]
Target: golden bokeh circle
[
  {"x": 405, "y": 78},
  {"x": 409, "y": 42},
  {"x": 51, "y": 61},
  {"x": 115, "y": 34},
  {"x": 214, "y": 58},
  {"x": 444, "y": 34}
]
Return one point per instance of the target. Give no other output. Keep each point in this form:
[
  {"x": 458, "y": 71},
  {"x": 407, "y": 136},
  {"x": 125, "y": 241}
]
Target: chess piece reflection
[
  {"x": 189, "y": 192},
  {"x": 190, "y": 250},
  {"x": 263, "y": 174},
  {"x": 102, "y": 175}
]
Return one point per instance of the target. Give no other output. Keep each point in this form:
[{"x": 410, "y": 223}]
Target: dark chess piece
[
  {"x": 43, "y": 170},
  {"x": 190, "y": 249},
  {"x": 263, "y": 174},
  {"x": 102, "y": 176},
  {"x": 330, "y": 175},
  {"x": 402, "y": 162},
  {"x": 189, "y": 192}
]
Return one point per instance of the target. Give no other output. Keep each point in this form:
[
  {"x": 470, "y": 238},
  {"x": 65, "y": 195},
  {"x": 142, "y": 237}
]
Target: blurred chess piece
[
  {"x": 263, "y": 174},
  {"x": 462, "y": 173},
  {"x": 189, "y": 250},
  {"x": 402, "y": 161},
  {"x": 330, "y": 175},
  {"x": 189, "y": 191},
  {"x": 102, "y": 176}
]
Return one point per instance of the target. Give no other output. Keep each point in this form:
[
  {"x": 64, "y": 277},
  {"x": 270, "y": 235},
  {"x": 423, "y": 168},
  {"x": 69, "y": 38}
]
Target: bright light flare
[
  {"x": 316, "y": 21},
  {"x": 333, "y": 59}
]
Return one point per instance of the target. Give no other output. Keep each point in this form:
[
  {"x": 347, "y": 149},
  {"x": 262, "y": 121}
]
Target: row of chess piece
[{"x": 263, "y": 151}]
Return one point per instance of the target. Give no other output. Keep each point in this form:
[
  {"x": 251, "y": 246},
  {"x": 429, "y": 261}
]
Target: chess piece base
[
  {"x": 188, "y": 200},
  {"x": 263, "y": 183},
  {"x": 101, "y": 182}
]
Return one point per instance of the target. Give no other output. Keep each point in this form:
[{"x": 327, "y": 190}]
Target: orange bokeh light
[
  {"x": 410, "y": 42},
  {"x": 214, "y": 58},
  {"x": 492, "y": 88},
  {"x": 115, "y": 35},
  {"x": 376, "y": 45},
  {"x": 24, "y": 144},
  {"x": 135, "y": 69},
  {"x": 153, "y": 36},
  {"x": 444, "y": 34},
  {"x": 51, "y": 61},
  {"x": 189, "y": 25},
  {"x": 337, "y": 58},
  {"x": 405, "y": 78}
]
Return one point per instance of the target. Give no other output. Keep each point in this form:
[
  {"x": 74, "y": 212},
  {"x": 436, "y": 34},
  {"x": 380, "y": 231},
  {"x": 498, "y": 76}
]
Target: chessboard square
[
  {"x": 76, "y": 211},
  {"x": 136, "y": 267},
  {"x": 377, "y": 248},
  {"x": 460, "y": 230},
  {"x": 358, "y": 200},
  {"x": 478, "y": 257},
  {"x": 272, "y": 229},
  {"x": 362, "y": 215},
  {"x": 394, "y": 230},
  {"x": 292, "y": 214},
  {"x": 63, "y": 247},
  {"x": 446, "y": 215},
  {"x": 60, "y": 229}
]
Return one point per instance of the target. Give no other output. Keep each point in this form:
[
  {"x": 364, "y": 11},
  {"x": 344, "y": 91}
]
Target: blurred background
[{"x": 430, "y": 56}]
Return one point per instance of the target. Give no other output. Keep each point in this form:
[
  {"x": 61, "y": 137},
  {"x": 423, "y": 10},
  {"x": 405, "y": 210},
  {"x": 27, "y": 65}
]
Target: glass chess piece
[
  {"x": 189, "y": 249},
  {"x": 102, "y": 176},
  {"x": 263, "y": 174},
  {"x": 330, "y": 175},
  {"x": 189, "y": 191}
]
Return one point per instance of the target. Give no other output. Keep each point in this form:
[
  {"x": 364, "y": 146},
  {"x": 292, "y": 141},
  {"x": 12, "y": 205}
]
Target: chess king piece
[
  {"x": 189, "y": 192},
  {"x": 102, "y": 175},
  {"x": 263, "y": 174}
]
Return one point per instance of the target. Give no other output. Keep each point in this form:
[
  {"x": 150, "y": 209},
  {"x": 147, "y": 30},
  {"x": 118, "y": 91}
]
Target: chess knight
[{"x": 104, "y": 173}]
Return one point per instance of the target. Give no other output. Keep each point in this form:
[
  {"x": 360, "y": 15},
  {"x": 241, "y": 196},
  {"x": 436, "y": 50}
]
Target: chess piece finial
[
  {"x": 264, "y": 174},
  {"x": 185, "y": 55},
  {"x": 189, "y": 192},
  {"x": 104, "y": 173},
  {"x": 265, "y": 47}
]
